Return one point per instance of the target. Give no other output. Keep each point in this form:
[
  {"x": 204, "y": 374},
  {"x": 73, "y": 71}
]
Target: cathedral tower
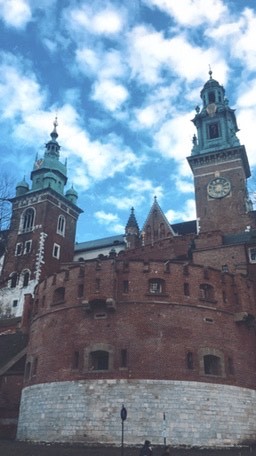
[
  {"x": 42, "y": 230},
  {"x": 219, "y": 164}
]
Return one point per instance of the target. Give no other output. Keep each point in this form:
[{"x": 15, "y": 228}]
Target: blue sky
[{"x": 124, "y": 78}]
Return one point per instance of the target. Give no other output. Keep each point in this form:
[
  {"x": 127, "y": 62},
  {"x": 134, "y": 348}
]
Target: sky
[{"x": 123, "y": 79}]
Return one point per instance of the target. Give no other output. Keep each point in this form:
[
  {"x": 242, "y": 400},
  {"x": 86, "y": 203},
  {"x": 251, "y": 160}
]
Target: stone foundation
[{"x": 196, "y": 414}]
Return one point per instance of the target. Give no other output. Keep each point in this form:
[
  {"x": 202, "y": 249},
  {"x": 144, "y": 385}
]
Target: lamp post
[
  {"x": 164, "y": 429},
  {"x": 123, "y": 415}
]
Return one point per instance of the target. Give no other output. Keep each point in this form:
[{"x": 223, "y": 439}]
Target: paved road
[{"x": 10, "y": 448}]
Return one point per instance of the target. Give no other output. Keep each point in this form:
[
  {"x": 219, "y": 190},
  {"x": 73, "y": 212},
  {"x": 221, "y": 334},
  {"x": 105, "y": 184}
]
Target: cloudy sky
[{"x": 124, "y": 78}]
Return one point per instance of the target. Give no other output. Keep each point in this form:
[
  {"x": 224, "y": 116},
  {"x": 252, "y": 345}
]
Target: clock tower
[{"x": 219, "y": 164}]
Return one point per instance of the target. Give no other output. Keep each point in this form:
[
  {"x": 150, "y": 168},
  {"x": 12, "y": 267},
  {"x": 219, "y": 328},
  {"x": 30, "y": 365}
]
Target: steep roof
[
  {"x": 99, "y": 243},
  {"x": 12, "y": 349}
]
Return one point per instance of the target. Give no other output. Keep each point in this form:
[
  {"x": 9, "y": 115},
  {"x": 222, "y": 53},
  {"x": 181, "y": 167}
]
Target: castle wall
[
  {"x": 197, "y": 414},
  {"x": 163, "y": 335}
]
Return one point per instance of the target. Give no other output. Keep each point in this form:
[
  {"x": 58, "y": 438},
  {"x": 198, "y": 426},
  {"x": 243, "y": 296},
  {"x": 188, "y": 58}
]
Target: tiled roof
[
  {"x": 238, "y": 238},
  {"x": 99, "y": 243},
  {"x": 10, "y": 346},
  {"x": 182, "y": 228}
]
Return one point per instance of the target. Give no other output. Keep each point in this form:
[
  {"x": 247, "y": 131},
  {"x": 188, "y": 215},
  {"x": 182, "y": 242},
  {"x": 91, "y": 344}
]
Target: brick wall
[{"x": 158, "y": 330}]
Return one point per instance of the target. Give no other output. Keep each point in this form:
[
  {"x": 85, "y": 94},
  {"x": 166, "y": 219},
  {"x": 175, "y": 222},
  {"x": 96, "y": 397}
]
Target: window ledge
[{"x": 157, "y": 294}]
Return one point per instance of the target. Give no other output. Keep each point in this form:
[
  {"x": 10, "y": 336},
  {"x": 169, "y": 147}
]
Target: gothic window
[
  {"x": 25, "y": 278},
  {"x": 190, "y": 361},
  {"x": 206, "y": 292},
  {"x": 162, "y": 230},
  {"x": 97, "y": 284},
  {"x": 13, "y": 280},
  {"x": 75, "y": 360},
  {"x": 252, "y": 255},
  {"x": 80, "y": 290},
  {"x": 186, "y": 289},
  {"x": 56, "y": 251},
  {"x": 126, "y": 286},
  {"x": 27, "y": 220},
  {"x": 230, "y": 366},
  {"x": 211, "y": 97},
  {"x": 123, "y": 360},
  {"x": 212, "y": 365},
  {"x": 213, "y": 130},
  {"x": 61, "y": 225},
  {"x": 156, "y": 286},
  {"x": 58, "y": 295},
  {"x": 27, "y": 247},
  {"x": 99, "y": 360},
  {"x": 148, "y": 233},
  {"x": 18, "y": 249}
]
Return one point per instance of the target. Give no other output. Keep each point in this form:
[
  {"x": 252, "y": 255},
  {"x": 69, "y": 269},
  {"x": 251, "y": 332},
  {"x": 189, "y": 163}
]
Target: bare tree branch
[{"x": 6, "y": 192}]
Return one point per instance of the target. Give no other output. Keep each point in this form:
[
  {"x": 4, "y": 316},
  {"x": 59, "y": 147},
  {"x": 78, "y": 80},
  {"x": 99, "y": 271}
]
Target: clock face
[{"x": 219, "y": 187}]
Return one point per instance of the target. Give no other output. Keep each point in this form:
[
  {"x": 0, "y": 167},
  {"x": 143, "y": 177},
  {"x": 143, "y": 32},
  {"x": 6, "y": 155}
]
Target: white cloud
[
  {"x": 20, "y": 93},
  {"x": 243, "y": 45},
  {"x": 188, "y": 212},
  {"x": 184, "y": 186},
  {"x": 139, "y": 186},
  {"x": 157, "y": 106},
  {"x": 110, "y": 220},
  {"x": 15, "y": 13},
  {"x": 151, "y": 53},
  {"x": 247, "y": 117},
  {"x": 21, "y": 96},
  {"x": 173, "y": 139},
  {"x": 191, "y": 13},
  {"x": 110, "y": 94},
  {"x": 106, "y": 21},
  {"x": 102, "y": 64},
  {"x": 123, "y": 203},
  {"x": 106, "y": 217},
  {"x": 148, "y": 51}
]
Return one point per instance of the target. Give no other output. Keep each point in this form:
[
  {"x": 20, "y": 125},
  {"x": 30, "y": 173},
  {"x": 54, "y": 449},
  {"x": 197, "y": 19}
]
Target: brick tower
[
  {"x": 42, "y": 230},
  {"x": 219, "y": 164}
]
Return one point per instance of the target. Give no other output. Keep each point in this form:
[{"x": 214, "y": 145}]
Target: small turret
[
  {"x": 132, "y": 231},
  {"x": 22, "y": 187},
  {"x": 72, "y": 195}
]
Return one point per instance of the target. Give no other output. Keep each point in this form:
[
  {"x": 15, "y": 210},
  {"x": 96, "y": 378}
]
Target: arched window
[
  {"x": 190, "y": 360},
  {"x": 58, "y": 295},
  {"x": 99, "y": 360},
  {"x": 162, "y": 230},
  {"x": 212, "y": 365},
  {"x": 27, "y": 220},
  {"x": 206, "y": 292},
  {"x": 156, "y": 286},
  {"x": 25, "y": 276},
  {"x": 148, "y": 233},
  {"x": 61, "y": 225},
  {"x": 13, "y": 280},
  {"x": 186, "y": 289}
]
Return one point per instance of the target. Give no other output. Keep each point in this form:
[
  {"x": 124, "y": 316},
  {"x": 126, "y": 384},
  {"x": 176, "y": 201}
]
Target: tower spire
[
  {"x": 53, "y": 147},
  {"x": 210, "y": 72}
]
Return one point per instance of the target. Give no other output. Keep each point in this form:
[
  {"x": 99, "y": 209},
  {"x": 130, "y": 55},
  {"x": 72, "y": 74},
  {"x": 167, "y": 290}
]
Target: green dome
[{"x": 22, "y": 187}]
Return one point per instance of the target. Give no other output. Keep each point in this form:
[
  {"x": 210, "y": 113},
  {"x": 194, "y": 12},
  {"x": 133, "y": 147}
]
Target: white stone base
[{"x": 197, "y": 414}]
